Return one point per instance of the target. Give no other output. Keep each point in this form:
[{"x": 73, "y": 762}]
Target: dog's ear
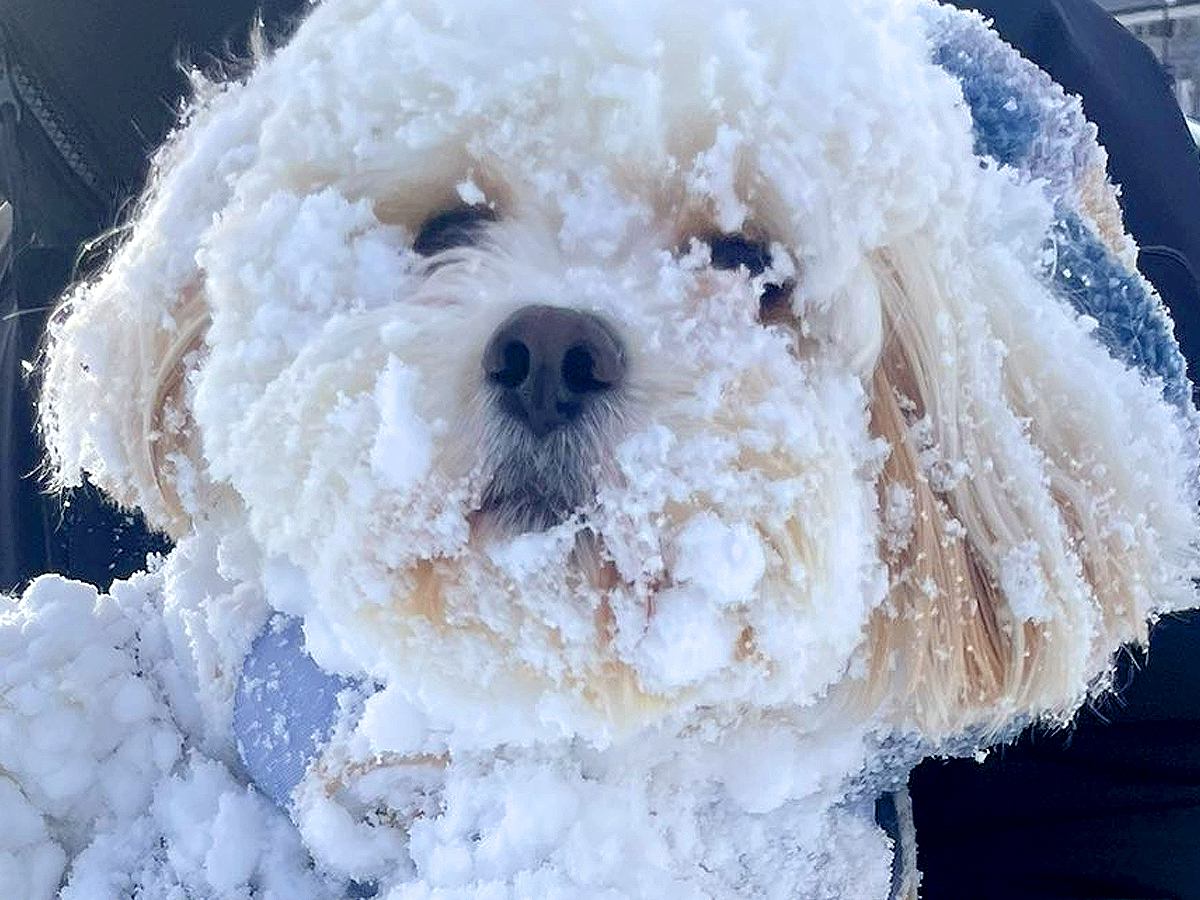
[
  {"x": 940, "y": 642},
  {"x": 113, "y": 365},
  {"x": 111, "y": 410},
  {"x": 1027, "y": 532}
]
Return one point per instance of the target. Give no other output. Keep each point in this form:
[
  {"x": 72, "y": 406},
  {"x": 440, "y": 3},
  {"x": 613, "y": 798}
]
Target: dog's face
[{"x": 603, "y": 365}]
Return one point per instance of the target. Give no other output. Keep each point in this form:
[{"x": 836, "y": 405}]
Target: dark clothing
[
  {"x": 1108, "y": 809},
  {"x": 87, "y": 91},
  {"x": 1151, "y": 153},
  {"x": 115, "y": 68},
  {"x": 1111, "y": 807}
]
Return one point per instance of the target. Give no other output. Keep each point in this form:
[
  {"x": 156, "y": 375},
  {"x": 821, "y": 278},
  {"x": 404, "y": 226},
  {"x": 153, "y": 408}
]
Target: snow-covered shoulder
[{"x": 105, "y": 790}]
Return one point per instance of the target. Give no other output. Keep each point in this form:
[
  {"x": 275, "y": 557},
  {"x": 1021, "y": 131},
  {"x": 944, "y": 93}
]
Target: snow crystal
[
  {"x": 470, "y": 193},
  {"x": 899, "y": 517}
]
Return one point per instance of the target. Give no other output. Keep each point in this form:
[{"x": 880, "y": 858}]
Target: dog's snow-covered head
[{"x": 579, "y": 365}]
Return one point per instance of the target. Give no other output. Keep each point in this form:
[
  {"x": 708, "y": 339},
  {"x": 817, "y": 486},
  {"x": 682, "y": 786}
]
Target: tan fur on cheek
[
  {"x": 937, "y": 642},
  {"x": 945, "y": 650}
]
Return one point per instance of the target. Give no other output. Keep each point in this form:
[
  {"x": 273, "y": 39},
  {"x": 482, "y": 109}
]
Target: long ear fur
[
  {"x": 111, "y": 368},
  {"x": 168, "y": 434},
  {"x": 1027, "y": 534},
  {"x": 111, "y": 399}
]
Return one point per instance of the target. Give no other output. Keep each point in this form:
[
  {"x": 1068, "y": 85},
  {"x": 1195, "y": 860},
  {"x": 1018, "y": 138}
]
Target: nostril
[
  {"x": 579, "y": 371},
  {"x": 514, "y": 368}
]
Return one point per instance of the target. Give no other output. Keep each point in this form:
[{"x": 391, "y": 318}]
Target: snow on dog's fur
[{"x": 920, "y": 497}]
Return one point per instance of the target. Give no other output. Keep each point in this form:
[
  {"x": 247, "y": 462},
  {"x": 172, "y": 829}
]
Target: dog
[{"x": 668, "y": 422}]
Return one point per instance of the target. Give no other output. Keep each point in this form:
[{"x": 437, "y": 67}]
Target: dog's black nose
[{"x": 549, "y": 363}]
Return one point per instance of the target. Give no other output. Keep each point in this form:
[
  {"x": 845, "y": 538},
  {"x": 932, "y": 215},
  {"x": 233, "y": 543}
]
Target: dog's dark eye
[
  {"x": 736, "y": 251},
  {"x": 775, "y": 304},
  {"x": 453, "y": 228}
]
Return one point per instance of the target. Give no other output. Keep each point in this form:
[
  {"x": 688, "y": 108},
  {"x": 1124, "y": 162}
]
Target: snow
[
  {"x": 31, "y": 862},
  {"x": 1022, "y": 582},
  {"x": 724, "y": 561},
  {"x": 391, "y": 722},
  {"x": 899, "y": 517},
  {"x": 401, "y": 454},
  {"x": 346, "y": 676},
  {"x": 686, "y": 641}
]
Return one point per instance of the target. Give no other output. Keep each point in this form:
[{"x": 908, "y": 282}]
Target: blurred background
[{"x": 1171, "y": 29}]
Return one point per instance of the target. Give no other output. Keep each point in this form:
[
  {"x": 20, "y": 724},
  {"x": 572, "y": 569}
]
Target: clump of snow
[
  {"x": 686, "y": 640},
  {"x": 1023, "y": 584},
  {"x": 391, "y": 723},
  {"x": 470, "y": 193},
  {"x": 899, "y": 517},
  {"x": 943, "y": 473},
  {"x": 31, "y": 861},
  {"x": 403, "y": 448},
  {"x": 81, "y": 734},
  {"x": 101, "y": 795},
  {"x": 725, "y": 562}
]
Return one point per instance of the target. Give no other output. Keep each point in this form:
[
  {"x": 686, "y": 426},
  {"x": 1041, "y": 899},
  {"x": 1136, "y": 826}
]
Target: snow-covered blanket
[{"x": 899, "y": 452}]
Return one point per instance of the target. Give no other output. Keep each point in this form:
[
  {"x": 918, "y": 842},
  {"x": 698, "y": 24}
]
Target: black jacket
[{"x": 1111, "y": 807}]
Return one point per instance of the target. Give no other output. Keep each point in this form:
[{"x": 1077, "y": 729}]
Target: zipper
[{"x": 21, "y": 90}]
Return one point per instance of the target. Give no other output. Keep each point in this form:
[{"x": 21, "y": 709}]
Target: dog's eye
[
  {"x": 775, "y": 304},
  {"x": 453, "y": 228},
  {"x": 736, "y": 251}
]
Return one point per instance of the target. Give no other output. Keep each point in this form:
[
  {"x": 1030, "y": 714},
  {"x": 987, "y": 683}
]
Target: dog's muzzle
[{"x": 554, "y": 377}]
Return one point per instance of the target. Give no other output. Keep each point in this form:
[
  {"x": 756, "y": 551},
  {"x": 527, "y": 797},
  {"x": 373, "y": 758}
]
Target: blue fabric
[
  {"x": 284, "y": 709},
  {"x": 1021, "y": 117},
  {"x": 1023, "y": 120},
  {"x": 1006, "y": 124},
  {"x": 1131, "y": 323}
]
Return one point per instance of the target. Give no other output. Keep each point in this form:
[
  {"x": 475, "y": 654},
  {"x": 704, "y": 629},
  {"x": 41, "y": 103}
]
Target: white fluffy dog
[{"x": 666, "y": 418}]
